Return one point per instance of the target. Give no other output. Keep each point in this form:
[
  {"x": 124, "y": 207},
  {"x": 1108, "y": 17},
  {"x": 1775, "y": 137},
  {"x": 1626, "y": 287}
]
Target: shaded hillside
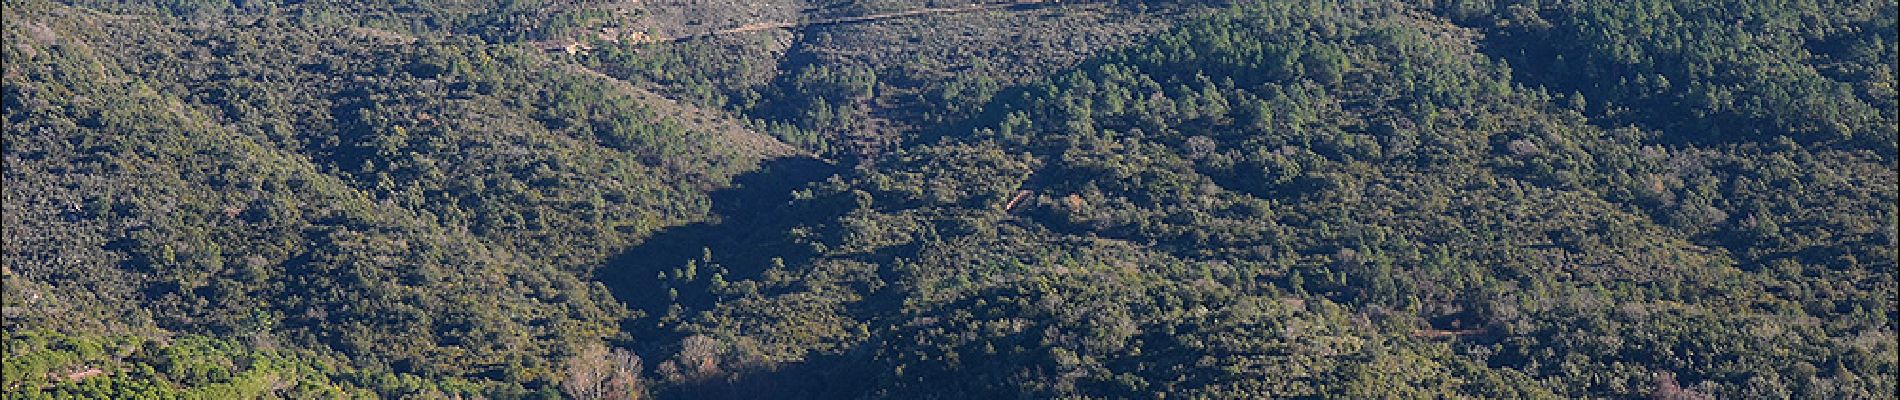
[
  {"x": 1113, "y": 199},
  {"x": 415, "y": 205},
  {"x": 1295, "y": 200}
]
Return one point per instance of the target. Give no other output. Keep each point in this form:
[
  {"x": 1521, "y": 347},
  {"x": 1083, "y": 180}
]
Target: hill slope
[{"x": 1368, "y": 199}]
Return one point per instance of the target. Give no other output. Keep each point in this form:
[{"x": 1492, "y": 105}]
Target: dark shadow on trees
[{"x": 750, "y": 228}]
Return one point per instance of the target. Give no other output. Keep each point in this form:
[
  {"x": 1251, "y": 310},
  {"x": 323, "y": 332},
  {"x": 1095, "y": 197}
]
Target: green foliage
[
  {"x": 1712, "y": 71},
  {"x": 428, "y": 206},
  {"x": 1363, "y": 199},
  {"x": 46, "y": 365},
  {"x": 1324, "y": 200}
]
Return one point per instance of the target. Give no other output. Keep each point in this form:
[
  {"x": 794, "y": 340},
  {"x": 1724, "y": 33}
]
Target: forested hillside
[{"x": 1121, "y": 199}]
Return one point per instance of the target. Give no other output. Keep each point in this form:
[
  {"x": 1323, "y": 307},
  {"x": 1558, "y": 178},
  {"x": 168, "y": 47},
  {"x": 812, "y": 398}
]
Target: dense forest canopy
[{"x": 1105, "y": 199}]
